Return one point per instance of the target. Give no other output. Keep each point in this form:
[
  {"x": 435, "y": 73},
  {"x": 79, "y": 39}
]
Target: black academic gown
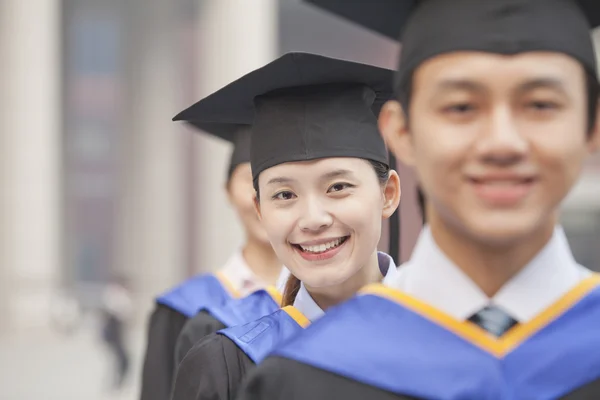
[
  {"x": 195, "y": 329},
  {"x": 280, "y": 378},
  {"x": 539, "y": 359},
  {"x": 215, "y": 367},
  {"x": 220, "y": 362},
  {"x": 283, "y": 379},
  {"x": 157, "y": 374}
]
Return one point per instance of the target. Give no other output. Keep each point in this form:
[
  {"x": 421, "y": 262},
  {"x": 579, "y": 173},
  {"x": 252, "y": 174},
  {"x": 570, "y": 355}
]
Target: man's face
[{"x": 497, "y": 141}]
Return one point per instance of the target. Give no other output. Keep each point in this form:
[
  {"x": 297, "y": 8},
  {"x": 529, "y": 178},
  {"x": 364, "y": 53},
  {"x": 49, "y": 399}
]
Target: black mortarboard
[
  {"x": 434, "y": 27},
  {"x": 388, "y": 17},
  {"x": 236, "y": 134},
  {"x": 302, "y": 107}
]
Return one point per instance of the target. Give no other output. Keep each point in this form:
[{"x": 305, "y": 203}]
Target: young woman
[
  {"x": 255, "y": 266},
  {"x": 323, "y": 188},
  {"x": 497, "y": 111}
]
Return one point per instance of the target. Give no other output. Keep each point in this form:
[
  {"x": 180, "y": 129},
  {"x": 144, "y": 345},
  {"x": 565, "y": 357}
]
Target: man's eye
[
  {"x": 543, "y": 105},
  {"x": 461, "y": 108}
]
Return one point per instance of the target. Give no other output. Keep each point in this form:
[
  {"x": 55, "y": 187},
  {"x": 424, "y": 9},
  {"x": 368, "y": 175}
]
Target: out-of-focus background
[{"x": 97, "y": 184}]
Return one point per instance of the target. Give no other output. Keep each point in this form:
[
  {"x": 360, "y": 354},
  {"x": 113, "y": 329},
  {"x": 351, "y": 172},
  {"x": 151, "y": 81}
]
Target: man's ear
[
  {"x": 393, "y": 126},
  {"x": 594, "y": 135},
  {"x": 227, "y": 189}
]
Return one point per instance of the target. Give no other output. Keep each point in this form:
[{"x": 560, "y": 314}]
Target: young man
[
  {"x": 252, "y": 268},
  {"x": 497, "y": 110}
]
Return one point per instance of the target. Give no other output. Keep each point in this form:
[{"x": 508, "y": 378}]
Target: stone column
[
  {"x": 234, "y": 38},
  {"x": 30, "y": 165},
  {"x": 150, "y": 235}
]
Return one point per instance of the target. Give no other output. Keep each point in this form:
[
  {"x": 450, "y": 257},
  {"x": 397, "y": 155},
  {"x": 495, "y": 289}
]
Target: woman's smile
[{"x": 324, "y": 249}]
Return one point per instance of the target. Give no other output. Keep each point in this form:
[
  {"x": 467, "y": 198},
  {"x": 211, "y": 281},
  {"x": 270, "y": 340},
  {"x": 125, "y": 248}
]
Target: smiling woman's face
[{"x": 323, "y": 217}]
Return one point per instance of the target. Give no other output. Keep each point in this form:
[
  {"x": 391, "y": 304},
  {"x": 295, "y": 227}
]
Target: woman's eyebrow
[{"x": 280, "y": 180}]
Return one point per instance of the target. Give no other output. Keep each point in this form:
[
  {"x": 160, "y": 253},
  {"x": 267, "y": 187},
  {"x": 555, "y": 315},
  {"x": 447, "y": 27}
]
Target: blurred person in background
[
  {"x": 116, "y": 310},
  {"x": 66, "y": 313},
  {"x": 254, "y": 267}
]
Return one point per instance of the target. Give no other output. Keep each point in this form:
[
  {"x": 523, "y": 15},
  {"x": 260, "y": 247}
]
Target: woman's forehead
[{"x": 315, "y": 168}]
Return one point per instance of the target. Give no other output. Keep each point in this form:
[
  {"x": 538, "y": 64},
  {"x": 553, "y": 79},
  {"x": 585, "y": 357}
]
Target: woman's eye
[
  {"x": 339, "y": 187},
  {"x": 285, "y": 195}
]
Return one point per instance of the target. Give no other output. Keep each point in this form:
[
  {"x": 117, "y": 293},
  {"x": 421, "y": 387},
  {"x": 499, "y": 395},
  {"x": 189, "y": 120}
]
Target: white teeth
[{"x": 322, "y": 247}]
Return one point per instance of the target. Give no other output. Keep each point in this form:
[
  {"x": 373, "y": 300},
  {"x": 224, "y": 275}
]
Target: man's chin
[{"x": 501, "y": 233}]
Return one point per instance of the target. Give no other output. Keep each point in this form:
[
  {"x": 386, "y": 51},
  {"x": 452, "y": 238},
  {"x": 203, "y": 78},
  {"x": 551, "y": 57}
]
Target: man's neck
[
  {"x": 262, "y": 261},
  {"x": 489, "y": 266},
  {"x": 330, "y": 296}
]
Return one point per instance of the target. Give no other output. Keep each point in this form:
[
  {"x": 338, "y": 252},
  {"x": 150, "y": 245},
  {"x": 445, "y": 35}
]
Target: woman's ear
[
  {"x": 256, "y": 202},
  {"x": 393, "y": 125},
  {"x": 391, "y": 195}
]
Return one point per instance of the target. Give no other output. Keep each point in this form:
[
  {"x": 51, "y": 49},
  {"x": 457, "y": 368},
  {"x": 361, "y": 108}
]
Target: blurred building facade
[{"x": 96, "y": 180}]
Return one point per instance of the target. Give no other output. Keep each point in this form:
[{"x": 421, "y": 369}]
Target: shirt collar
[
  {"x": 431, "y": 277},
  {"x": 387, "y": 266},
  {"x": 282, "y": 280},
  {"x": 311, "y": 310},
  {"x": 241, "y": 277},
  {"x": 306, "y": 305},
  {"x": 549, "y": 276}
]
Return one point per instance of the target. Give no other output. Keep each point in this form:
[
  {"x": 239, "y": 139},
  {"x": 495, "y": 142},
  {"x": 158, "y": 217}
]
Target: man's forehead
[{"x": 473, "y": 66}]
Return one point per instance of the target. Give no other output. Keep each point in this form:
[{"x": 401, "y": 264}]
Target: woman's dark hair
[
  {"x": 292, "y": 286},
  {"x": 381, "y": 170},
  {"x": 404, "y": 93},
  {"x": 421, "y": 203}
]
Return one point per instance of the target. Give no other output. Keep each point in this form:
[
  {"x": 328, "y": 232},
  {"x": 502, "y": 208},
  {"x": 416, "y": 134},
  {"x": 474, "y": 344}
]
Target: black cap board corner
[
  {"x": 301, "y": 107},
  {"x": 236, "y": 134},
  {"x": 386, "y": 17}
]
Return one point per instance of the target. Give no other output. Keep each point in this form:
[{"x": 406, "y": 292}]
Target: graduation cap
[
  {"x": 302, "y": 107},
  {"x": 434, "y": 27},
  {"x": 237, "y": 134},
  {"x": 388, "y": 17}
]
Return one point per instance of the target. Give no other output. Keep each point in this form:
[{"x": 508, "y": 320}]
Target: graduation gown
[
  {"x": 172, "y": 311},
  {"x": 213, "y": 318},
  {"x": 352, "y": 354},
  {"x": 215, "y": 367},
  {"x": 194, "y": 329}
]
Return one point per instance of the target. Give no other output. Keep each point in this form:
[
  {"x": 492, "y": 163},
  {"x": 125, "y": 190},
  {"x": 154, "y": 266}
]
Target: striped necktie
[{"x": 493, "y": 320}]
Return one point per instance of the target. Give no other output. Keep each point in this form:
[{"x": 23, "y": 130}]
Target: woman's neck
[
  {"x": 489, "y": 266},
  {"x": 262, "y": 261},
  {"x": 330, "y": 296}
]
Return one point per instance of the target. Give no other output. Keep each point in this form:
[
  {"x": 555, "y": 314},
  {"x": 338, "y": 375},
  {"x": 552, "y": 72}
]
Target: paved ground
[{"x": 48, "y": 366}]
